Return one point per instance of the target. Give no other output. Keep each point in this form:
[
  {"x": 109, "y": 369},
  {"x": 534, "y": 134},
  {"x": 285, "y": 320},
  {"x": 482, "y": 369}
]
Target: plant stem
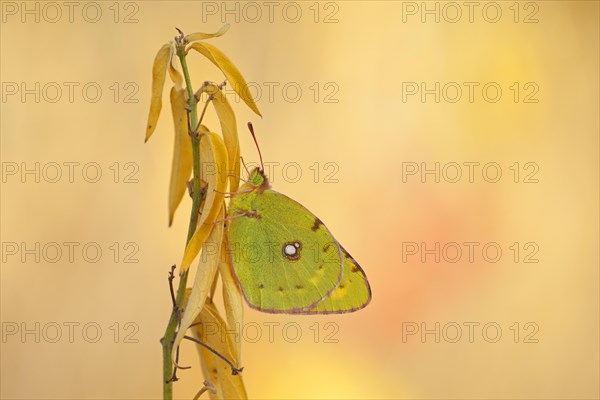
[{"x": 171, "y": 330}]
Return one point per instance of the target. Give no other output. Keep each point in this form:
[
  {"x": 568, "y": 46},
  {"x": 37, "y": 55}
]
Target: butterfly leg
[
  {"x": 233, "y": 193},
  {"x": 252, "y": 214}
]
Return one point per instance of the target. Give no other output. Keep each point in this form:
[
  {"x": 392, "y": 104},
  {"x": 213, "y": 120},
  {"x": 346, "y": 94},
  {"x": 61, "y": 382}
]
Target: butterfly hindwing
[
  {"x": 352, "y": 294},
  {"x": 283, "y": 256}
]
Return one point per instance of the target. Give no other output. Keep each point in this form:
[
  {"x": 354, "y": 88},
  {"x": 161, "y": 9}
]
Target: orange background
[{"x": 369, "y": 134}]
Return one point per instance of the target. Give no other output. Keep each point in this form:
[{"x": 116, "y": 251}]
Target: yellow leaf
[
  {"x": 174, "y": 73},
  {"x": 213, "y": 155},
  {"x": 159, "y": 71},
  {"x": 230, "y": 135},
  {"x": 181, "y": 167},
  {"x": 210, "y": 330},
  {"x": 213, "y": 287},
  {"x": 232, "y": 297},
  {"x": 207, "y": 269},
  {"x": 233, "y": 75},
  {"x": 192, "y": 37}
]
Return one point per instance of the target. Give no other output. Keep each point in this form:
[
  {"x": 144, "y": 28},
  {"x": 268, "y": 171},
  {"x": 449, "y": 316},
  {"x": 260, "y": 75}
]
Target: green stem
[{"x": 171, "y": 330}]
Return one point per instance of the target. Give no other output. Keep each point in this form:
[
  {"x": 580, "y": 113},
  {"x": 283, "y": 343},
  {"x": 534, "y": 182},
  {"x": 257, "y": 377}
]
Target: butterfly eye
[{"x": 292, "y": 250}]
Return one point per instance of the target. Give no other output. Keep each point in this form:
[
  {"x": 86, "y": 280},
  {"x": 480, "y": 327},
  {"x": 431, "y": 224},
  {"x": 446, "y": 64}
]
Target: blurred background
[{"x": 452, "y": 149}]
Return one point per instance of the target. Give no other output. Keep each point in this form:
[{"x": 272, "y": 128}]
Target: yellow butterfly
[{"x": 285, "y": 258}]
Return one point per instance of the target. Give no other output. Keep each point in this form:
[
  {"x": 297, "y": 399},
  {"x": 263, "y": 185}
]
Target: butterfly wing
[
  {"x": 284, "y": 258},
  {"x": 352, "y": 294}
]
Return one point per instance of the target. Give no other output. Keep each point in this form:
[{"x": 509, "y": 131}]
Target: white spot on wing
[{"x": 290, "y": 249}]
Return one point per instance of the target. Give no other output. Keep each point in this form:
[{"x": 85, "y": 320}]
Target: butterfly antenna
[
  {"x": 244, "y": 164},
  {"x": 256, "y": 142}
]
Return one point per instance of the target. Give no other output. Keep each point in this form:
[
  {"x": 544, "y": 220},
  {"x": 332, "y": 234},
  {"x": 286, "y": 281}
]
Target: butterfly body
[{"x": 285, "y": 258}]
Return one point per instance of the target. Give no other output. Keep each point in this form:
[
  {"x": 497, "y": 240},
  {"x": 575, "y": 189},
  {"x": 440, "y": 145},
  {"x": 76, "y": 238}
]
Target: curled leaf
[
  {"x": 207, "y": 269},
  {"x": 181, "y": 166},
  {"x": 232, "y": 297},
  {"x": 230, "y": 135},
  {"x": 192, "y": 37},
  {"x": 174, "y": 73},
  {"x": 210, "y": 330},
  {"x": 213, "y": 287},
  {"x": 233, "y": 75},
  {"x": 214, "y": 156},
  {"x": 159, "y": 71}
]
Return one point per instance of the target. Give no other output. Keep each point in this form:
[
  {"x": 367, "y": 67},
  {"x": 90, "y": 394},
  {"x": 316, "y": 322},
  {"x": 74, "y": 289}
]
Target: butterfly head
[{"x": 259, "y": 180}]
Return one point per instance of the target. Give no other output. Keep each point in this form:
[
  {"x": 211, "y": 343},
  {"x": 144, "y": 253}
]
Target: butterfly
[{"x": 284, "y": 257}]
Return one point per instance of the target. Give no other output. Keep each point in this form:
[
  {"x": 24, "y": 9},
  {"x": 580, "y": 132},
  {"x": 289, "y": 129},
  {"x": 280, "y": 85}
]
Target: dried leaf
[
  {"x": 192, "y": 37},
  {"x": 230, "y": 135},
  {"x": 233, "y": 75},
  {"x": 210, "y": 330},
  {"x": 176, "y": 76},
  {"x": 181, "y": 166},
  {"x": 213, "y": 154},
  {"x": 232, "y": 297},
  {"x": 207, "y": 269},
  {"x": 213, "y": 287},
  {"x": 159, "y": 71}
]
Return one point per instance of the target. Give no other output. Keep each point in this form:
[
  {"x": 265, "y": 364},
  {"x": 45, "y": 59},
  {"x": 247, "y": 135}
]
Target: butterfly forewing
[{"x": 284, "y": 258}]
